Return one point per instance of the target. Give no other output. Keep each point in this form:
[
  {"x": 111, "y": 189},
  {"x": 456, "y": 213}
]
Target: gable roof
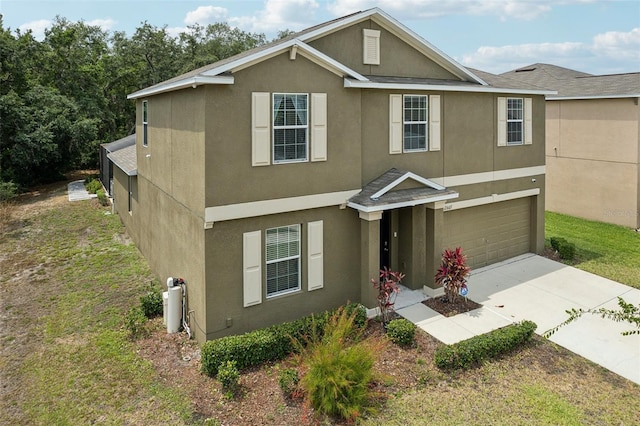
[
  {"x": 381, "y": 194},
  {"x": 120, "y": 143},
  {"x": 125, "y": 158},
  {"x": 572, "y": 84}
]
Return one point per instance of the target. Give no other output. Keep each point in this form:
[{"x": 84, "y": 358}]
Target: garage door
[{"x": 491, "y": 232}]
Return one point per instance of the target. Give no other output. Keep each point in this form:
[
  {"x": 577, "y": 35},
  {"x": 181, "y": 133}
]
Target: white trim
[
  {"x": 409, "y": 203},
  {"x": 493, "y": 198},
  {"x": 279, "y": 205},
  {"x": 473, "y": 178},
  {"x": 579, "y": 98},
  {"x": 183, "y": 84},
  {"x": 351, "y": 83},
  {"x": 407, "y": 175},
  {"x": 370, "y": 216}
]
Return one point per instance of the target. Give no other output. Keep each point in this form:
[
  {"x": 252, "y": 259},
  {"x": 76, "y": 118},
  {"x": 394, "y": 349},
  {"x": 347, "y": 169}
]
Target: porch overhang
[{"x": 385, "y": 192}]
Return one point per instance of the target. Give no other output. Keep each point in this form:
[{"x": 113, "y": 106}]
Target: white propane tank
[{"x": 174, "y": 308}]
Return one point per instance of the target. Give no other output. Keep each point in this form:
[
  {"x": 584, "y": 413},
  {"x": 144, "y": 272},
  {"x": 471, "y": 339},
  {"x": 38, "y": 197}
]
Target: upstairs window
[
  {"x": 283, "y": 260},
  {"x": 290, "y": 127},
  {"x": 415, "y": 123},
  {"x": 515, "y": 116},
  {"x": 144, "y": 123}
]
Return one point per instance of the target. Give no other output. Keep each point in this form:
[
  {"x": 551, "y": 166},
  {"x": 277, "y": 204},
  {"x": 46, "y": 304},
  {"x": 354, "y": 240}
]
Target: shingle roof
[
  {"x": 125, "y": 159},
  {"x": 120, "y": 143},
  {"x": 379, "y": 194},
  {"x": 575, "y": 84}
]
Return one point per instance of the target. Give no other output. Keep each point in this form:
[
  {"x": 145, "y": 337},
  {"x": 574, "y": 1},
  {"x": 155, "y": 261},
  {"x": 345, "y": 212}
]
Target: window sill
[{"x": 284, "y": 293}]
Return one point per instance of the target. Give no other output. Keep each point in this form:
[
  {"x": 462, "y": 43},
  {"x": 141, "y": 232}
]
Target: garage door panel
[{"x": 489, "y": 233}]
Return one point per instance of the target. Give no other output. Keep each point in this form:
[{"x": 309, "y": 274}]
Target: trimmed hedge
[
  {"x": 556, "y": 242},
  {"x": 464, "y": 354},
  {"x": 401, "y": 332},
  {"x": 268, "y": 344},
  {"x": 565, "y": 249}
]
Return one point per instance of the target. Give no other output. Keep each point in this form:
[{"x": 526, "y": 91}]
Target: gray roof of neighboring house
[
  {"x": 125, "y": 158},
  {"x": 120, "y": 143},
  {"x": 572, "y": 84}
]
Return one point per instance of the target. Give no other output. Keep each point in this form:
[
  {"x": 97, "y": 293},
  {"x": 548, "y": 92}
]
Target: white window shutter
[
  {"x": 395, "y": 124},
  {"x": 371, "y": 47},
  {"x": 434, "y": 123},
  {"x": 252, "y": 268},
  {"x": 528, "y": 130},
  {"x": 260, "y": 129},
  {"x": 316, "y": 255},
  {"x": 502, "y": 121},
  {"x": 318, "y": 127}
]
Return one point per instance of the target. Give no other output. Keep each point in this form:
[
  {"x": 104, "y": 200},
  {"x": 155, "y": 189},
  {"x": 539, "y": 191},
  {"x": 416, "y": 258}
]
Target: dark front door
[{"x": 385, "y": 240}]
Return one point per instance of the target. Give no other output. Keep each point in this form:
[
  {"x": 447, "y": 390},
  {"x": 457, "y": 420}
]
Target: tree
[{"x": 627, "y": 313}]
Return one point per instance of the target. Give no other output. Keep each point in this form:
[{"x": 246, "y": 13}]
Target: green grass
[{"x": 607, "y": 250}]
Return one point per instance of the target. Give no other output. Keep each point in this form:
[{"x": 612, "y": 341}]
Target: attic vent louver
[{"x": 371, "y": 47}]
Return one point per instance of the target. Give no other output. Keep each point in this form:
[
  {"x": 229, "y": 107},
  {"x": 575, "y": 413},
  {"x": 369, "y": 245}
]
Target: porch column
[
  {"x": 369, "y": 256},
  {"x": 435, "y": 226},
  {"x": 419, "y": 232}
]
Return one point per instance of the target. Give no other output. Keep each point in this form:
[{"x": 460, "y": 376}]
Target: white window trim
[
  {"x": 274, "y": 128},
  {"x": 282, "y": 259},
  {"x": 521, "y": 121},
  {"x": 425, "y": 123},
  {"x": 145, "y": 123}
]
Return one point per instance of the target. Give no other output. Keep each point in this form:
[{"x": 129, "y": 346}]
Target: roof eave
[
  {"x": 350, "y": 83},
  {"x": 408, "y": 203},
  {"x": 577, "y": 98},
  {"x": 193, "y": 82}
]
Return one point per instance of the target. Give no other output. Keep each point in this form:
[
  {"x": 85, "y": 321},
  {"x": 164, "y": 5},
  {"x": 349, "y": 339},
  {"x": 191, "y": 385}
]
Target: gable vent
[{"x": 371, "y": 47}]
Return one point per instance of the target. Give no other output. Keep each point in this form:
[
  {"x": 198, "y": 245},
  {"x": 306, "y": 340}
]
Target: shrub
[
  {"x": 288, "y": 380},
  {"x": 556, "y": 242},
  {"x": 401, "y": 332},
  {"x": 93, "y": 186},
  {"x": 471, "y": 351},
  {"x": 339, "y": 368},
  {"x": 387, "y": 287},
  {"x": 151, "y": 303},
  {"x": 228, "y": 375},
  {"x": 452, "y": 273},
  {"x": 102, "y": 197},
  {"x": 8, "y": 190},
  {"x": 136, "y": 322},
  {"x": 567, "y": 251},
  {"x": 268, "y": 344}
]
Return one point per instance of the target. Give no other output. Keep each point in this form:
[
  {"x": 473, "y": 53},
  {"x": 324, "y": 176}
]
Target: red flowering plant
[
  {"x": 387, "y": 287},
  {"x": 452, "y": 273}
]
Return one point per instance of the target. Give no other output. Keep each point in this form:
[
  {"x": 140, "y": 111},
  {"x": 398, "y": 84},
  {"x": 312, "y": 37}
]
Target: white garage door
[{"x": 489, "y": 233}]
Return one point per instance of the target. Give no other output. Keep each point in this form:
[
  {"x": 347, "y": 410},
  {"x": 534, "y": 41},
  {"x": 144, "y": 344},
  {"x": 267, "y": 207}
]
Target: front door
[{"x": 385, "y": 240}]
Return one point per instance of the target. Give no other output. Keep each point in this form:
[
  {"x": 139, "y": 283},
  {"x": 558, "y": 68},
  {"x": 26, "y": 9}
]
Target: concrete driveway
[{"x": 535, "y": 288}]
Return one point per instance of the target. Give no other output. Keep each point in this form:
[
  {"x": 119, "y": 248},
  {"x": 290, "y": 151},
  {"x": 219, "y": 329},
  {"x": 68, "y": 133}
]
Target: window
[
  {"x": 514, "y": 121},
  {"x": 144, "y": 123},
  {"x": 415, "y": 123},
  {"x": 290, "y": 127},
  {"x": 283, "y": 260}
]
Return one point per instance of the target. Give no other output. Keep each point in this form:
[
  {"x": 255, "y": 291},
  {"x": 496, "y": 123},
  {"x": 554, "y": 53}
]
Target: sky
[{"x": 593, "y": 36}]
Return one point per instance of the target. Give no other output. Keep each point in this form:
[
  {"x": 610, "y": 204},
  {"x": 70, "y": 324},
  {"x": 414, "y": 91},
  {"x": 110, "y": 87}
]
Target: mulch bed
[{"x": 444, "y": 307}]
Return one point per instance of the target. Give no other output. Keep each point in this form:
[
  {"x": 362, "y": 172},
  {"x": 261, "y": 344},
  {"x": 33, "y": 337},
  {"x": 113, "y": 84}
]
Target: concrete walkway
[
  {"x": 78, "y": 192},
  {"x": 535, "y": 288}
]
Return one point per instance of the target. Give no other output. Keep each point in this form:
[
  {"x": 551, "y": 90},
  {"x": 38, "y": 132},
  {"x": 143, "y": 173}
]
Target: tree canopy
[{"x": 61, "y": 97}]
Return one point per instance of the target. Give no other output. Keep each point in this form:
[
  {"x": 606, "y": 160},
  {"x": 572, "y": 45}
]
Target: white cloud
[
  {"x": 37, "y": 28},
  {"x": 204, "y": 15},
  {"x": 412, "y": 9},
  {"x": 278, "y": 15},
  {"x": 610, "y": 52},
  {"x": 104, "y": 24}
]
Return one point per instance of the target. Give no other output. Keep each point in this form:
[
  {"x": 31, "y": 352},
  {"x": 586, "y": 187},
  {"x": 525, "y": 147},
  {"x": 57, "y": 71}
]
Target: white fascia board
[
  {"x": 579, "y": 98},
  {"x": 302, "y": 48},
  {"x": 183, "y": 84},
  {"x": 408, "y": 175},
  {"x": 490, "y": 199},
  {"x": 350, "y": 83},
  {"x": 493, "y": 176},
  {"x": 409, "y": 203}
]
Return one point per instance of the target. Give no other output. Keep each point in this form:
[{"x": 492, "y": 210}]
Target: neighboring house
[
  {"x": 593, "y": 142},
  {"x": 108, "y": 150},
  {"x": 279, "y": 181}
]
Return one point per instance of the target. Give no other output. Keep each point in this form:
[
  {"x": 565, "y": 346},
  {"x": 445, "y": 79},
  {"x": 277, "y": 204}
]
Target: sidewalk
[
  {"x": 534, "y": 288},
  {"x": 77, "y": 191}
]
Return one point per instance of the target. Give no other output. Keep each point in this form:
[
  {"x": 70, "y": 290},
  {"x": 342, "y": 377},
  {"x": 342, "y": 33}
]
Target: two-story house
[{"x": 279, "y": 181}]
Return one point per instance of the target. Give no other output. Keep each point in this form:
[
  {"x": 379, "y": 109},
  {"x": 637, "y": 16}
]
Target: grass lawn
[
  {"x": 607, "y": 250},
  {"x": 68, "y": 275}
]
